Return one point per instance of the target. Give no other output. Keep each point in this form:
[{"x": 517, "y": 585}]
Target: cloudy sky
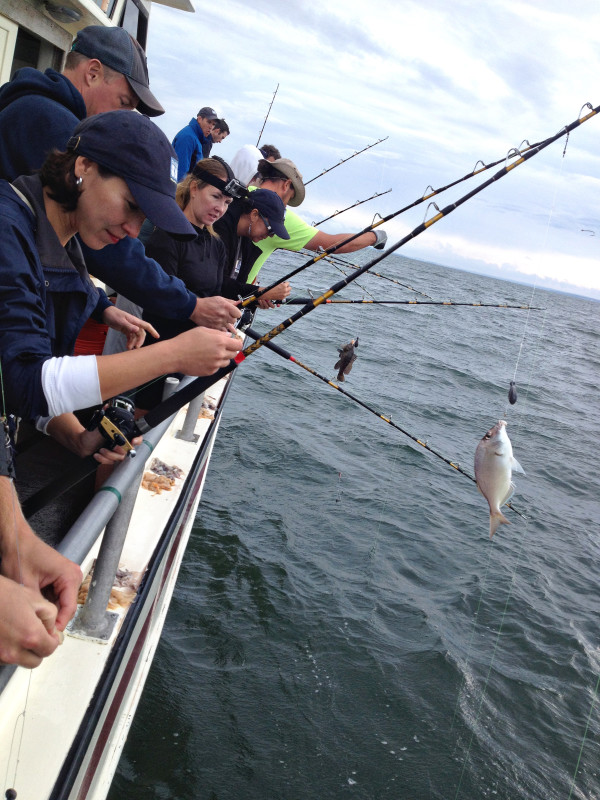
[{"x": 450, "y": 83}]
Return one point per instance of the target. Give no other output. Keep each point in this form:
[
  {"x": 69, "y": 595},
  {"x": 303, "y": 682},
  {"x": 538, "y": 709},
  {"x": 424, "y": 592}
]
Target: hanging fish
[
  {"x": 346, "y": 359},
  {"x": 494, "y": 463},
  {"x": 512, "y": 393}
]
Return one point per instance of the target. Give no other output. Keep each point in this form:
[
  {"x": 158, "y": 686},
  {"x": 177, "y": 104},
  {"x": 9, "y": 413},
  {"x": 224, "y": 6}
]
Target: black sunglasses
[{"x": 270, "y": 230}]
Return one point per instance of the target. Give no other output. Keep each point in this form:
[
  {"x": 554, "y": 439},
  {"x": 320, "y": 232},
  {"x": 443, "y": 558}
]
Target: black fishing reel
[{"x": 116, "y": 423}]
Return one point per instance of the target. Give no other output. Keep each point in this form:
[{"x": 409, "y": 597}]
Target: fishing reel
[{"x": 116, "y": 423}]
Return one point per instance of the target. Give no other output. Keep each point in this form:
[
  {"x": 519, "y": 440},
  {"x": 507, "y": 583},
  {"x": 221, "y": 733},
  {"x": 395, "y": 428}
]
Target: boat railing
[{"x": 111, "y": 508}]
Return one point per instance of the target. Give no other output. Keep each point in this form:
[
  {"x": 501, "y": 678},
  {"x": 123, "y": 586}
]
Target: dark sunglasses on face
[{"x": 270, "y": 231}]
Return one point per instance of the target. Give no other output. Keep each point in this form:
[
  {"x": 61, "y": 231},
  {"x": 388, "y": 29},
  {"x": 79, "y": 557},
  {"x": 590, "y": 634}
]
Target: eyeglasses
[{"x": 270, "y": 231}]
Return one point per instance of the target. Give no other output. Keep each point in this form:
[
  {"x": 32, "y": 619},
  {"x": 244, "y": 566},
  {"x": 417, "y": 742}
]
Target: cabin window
[
  {"x": 135, "y": 21},
  {"x": 30, "y": 51}
]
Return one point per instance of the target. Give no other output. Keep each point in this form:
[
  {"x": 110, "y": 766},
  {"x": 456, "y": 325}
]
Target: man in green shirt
[{"x": 282, "y": 177}]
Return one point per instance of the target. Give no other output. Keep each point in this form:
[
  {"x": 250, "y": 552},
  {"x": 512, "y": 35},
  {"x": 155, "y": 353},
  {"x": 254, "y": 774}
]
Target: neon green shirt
[{"x": 300, "y": 234}]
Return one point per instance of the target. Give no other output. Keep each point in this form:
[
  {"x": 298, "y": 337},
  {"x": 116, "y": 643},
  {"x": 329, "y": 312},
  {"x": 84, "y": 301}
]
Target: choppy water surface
[{"x": 343, "y": 626}]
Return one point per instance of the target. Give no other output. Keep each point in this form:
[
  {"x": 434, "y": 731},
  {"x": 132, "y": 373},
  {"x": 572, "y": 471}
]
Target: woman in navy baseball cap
[
  {"x": 130, "y": 147},
  {"x": 118, "y": 168}
]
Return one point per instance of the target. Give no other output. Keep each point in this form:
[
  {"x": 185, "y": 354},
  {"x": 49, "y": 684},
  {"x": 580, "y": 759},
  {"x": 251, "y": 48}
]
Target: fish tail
[
  {"x": 340, "y": 377},
  {"x": 496, "y": 519}
]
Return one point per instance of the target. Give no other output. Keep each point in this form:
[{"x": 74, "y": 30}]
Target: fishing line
[
  {"x": 544, "y": 244},
  {"x": 472, "y": 636},
  {"x": 522, "y": 542},
  {"x": 21, "y": 717},
  {"x": 494, "y": 651},
  {"x": 585, "y": 733}
]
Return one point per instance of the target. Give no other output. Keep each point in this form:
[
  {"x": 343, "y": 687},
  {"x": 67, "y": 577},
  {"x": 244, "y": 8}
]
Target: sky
[{"x": 449, "y": 83}]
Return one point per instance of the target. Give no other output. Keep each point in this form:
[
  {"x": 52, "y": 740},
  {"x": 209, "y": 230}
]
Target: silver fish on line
[
  {"x": 494, "y": 465},
  {"x": 346, "y": 359}
]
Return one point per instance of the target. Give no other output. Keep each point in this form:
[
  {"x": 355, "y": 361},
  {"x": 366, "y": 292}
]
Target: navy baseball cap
[
  {"x": 270, "y": 206},
  {"x": 131, "y": 146},
  {"x": 115, "y": 48}
]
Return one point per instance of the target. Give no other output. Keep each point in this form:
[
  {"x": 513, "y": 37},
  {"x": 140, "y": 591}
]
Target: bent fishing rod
[
  {"x": 354, "y": 205},
  {"x": 289, "y": 357},
  {"x": 514, "y": 152},
  {"x": 303, "y": 300},
  {"x": 172, "y": 404},
  {"x": 267, "y": 117},
  {"x": 343, "y": 161}
]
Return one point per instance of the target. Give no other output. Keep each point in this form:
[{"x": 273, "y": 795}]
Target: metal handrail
[{"x": 83, "y": 534}]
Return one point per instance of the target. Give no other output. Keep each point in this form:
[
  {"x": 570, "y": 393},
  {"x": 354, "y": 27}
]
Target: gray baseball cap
[{"x": 116, "y": 49}]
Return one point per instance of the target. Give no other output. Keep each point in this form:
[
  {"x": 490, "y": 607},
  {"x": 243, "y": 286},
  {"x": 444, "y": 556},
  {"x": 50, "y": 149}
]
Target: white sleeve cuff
[
  {"x": 41, "y": 423},
  {"x": 70, "y": 383}
]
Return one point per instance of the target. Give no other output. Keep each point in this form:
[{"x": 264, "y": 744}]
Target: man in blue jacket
[
  {"x": 105, "y": 71},
  {"x": 193, "y": 142}
]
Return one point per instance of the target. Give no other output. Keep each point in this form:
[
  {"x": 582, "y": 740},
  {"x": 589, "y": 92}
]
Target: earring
[
  {"x": 79, "y": 181},
  {"x": 250, "y": 229}
]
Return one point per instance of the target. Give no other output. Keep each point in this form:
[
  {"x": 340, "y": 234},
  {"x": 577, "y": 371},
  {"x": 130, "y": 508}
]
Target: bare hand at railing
[
  {"x": 279, "y": 292},
  {"x": 202, "y": 351},
  {"x": 215, "y": 312},
  {"x": 27, "y": 625},
  {"x": 132, "y": 327},
  {"x": 27, "y": 559}
]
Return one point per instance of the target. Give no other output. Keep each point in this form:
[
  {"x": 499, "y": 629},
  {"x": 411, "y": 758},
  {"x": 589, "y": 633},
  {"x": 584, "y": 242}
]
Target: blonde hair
[{"x": 183, "y": 193}]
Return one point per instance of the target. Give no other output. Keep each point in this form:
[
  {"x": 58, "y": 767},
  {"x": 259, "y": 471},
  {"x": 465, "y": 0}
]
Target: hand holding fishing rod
[{"x": 172, "y": 404}]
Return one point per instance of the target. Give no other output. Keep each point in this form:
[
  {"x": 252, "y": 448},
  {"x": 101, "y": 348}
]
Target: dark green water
[{"x": 343, "y": 626}]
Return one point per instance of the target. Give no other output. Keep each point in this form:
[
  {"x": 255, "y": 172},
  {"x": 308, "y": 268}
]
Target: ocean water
[{"x": 343, "y": 626}]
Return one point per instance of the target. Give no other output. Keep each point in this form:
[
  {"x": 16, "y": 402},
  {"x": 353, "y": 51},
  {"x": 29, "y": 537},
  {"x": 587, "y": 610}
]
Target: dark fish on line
[
  {"x": 346, "y": 359},
  {"x": 494, "y": 463},
  {"x": 512, "y": 393}
]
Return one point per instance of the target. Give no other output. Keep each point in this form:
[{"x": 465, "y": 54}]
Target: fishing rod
[
  {"x": 303, "y": 300},
  {"x": 341, "y": 271},
  {"x": 348, "y": 264},
  {"x": 404, "y": 285},
  {"x": 267, "y": 117},
  {"x": 354, "y": 205},
  {"x": 343, "y": 161},
  {"x": 179, "y": 399},
  {"x": 289, "y": 357},
  {"x": 511, "y": 154}
]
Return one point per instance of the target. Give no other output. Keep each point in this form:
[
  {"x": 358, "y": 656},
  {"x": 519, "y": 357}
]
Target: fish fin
[
  {"x": 516, "y": 467},
  {"x": 337, "y": 364},
  {"x": 497, "y": 519},
  {"x": 508, "y": 495}
]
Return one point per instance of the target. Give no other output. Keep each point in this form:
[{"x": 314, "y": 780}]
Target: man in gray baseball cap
[{"x": 118, "y": 51}]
